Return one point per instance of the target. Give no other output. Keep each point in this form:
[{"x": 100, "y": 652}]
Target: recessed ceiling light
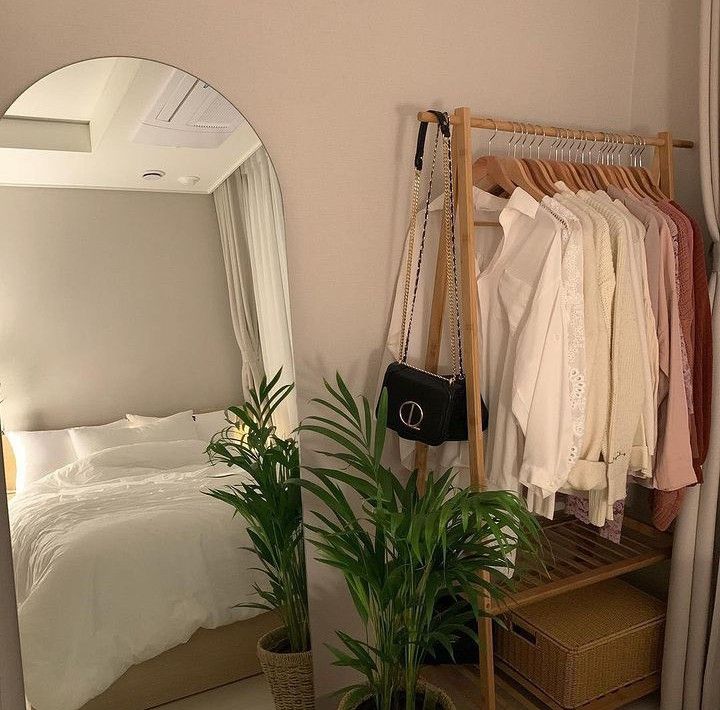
[
  {"x": 189, "y": 180},
  {"x": 153, "y": 174}
]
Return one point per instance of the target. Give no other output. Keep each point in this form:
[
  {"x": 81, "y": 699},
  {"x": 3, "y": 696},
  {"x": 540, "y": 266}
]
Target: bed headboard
[{"x": 9, "y": 462}]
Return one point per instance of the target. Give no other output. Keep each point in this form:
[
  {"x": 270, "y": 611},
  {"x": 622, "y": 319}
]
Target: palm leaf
[{"x": 405, "y": 552}]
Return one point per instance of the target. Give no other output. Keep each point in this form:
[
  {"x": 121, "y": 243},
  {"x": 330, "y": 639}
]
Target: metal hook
[
  {"x": 517, "y": 140},
  {"x": 577, "y": 144},
  {"x": 492, "y": 137},
  {"x": 602, "y": 149},
  {"x": 607, "y": 149},
  {"x": 534, "y": 138},
  {"x": 620, "y": 148},
  {"x": 524, "y": 140},
  {"x": 586, "y": 142},
  {"x": 642, "y": 150},
  {"x": 633, "y": 153},
  {"x": 579, "y": 149},
  {"x": 510, "y": 140},
  {"x": 593, "y": 143},
  {"x": 554, "y": 144},
  {"x": 542, "y": 140}
]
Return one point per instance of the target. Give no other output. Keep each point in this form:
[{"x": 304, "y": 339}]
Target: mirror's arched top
[{"x": 123, "y": 123}]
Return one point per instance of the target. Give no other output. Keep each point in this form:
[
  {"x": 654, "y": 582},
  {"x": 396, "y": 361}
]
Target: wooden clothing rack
[{"x": 580, "y": 557}]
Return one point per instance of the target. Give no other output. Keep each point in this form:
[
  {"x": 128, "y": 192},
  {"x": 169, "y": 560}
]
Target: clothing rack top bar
[{"x": 556, "y": 132}]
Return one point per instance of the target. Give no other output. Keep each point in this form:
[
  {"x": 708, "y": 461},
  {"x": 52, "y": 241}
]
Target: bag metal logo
[{"x": 411, "y": 414}]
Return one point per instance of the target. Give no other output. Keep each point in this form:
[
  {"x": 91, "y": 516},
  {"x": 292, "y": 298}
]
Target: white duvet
[{"x": 119, "y": 557}]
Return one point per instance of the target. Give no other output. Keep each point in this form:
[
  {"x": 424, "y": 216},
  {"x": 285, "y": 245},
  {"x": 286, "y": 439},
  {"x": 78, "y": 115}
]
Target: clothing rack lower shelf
[
  {"x": 578, "y": 557},
  {"x": 461, "y": 683}
]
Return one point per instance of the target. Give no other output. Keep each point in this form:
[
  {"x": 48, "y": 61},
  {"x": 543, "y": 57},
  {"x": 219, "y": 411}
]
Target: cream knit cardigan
[{"x": 627, "y": 391}]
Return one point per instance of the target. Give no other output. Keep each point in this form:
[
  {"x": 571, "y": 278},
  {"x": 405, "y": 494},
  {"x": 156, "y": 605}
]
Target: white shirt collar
[
  {"x": 520, "y": 201},
  {"x": 487, "y": 202}
]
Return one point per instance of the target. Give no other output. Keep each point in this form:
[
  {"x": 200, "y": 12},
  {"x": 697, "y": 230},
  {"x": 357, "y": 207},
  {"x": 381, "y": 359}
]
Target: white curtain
[
  {"x": 252, "y": 227},
  {"x": 236, "y": 254},
  {"x": 691, "y": 666}
]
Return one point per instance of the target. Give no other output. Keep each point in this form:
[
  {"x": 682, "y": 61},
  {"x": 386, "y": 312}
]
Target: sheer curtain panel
[
  {"x": 236, "y": 254},
  {"x": 250, "y": 213},
  {"x": 691, "y": 666}
]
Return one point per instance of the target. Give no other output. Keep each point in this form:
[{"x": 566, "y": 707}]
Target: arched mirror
[{"x": 143, "y": 302}]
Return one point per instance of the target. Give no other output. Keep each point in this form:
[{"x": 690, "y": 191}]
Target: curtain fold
[
  {"x": 249, "y": 205},
  {"x": 236, "y": 255},
  {"x": 691, "y": 665}
]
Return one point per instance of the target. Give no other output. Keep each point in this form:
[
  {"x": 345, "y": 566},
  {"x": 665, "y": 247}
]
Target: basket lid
[{"x": 592, "y": 614}]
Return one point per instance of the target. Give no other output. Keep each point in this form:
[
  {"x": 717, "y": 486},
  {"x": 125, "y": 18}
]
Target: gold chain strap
[
  {"x": 406, "y": 324},
  {"x": 448, "y": 236},
  {"x": 447, "y": 232},
  {"x": 451, "y": 261},
  {"x": 414, "y": 205}
]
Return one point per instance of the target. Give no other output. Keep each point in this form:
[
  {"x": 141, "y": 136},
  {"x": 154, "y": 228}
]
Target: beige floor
[
  {"x": 250, "y": 694},
  {"x": 253, "y": 694}
]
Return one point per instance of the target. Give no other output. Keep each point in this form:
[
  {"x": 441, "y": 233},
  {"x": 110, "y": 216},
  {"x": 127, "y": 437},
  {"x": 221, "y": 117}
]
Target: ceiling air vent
[
  {"x": 153, "y": 175},
  {"x": 189, "y": 114}
]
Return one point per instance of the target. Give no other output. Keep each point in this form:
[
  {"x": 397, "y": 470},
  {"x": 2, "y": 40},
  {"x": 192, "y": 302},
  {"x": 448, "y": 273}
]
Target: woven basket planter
[
  {"x": 289, "y": 675},
  {"x": 442, "y": 702}
]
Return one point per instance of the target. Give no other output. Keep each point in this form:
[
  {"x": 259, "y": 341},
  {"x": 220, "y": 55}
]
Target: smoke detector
[
  {"x": 189, "y": 180},
  {"x": 153, "y": 174}
]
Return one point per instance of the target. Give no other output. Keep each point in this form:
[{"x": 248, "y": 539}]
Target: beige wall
[
  {"x": 665, "y": 84},
  {"x": 110, "y": 302},
  {"x": 332, "y": 88}
]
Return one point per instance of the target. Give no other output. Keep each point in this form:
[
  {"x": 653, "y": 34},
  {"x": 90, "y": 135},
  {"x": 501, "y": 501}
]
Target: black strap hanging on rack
[
  {"x": 426, "y": 406},
  {"x": 448, "y": 230}
]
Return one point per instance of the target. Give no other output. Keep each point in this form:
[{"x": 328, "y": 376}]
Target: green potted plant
[
  {"x": 403, "y": 553},
  {"x": 273, "y": 513}
]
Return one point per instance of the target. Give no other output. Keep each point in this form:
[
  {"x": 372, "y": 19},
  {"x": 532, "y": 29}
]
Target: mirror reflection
[{"x": 146, "y": 437}]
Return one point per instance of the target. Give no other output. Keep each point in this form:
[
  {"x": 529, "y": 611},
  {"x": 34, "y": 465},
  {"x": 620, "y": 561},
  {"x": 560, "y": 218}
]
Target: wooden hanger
[
  {"x": 540, "y": 176},
  {"x": 491, "y": 172},
  {"x": 578, "y": 168},
  {"x": 644, "y": 179},
  {"x": 537, "y": 167},
  {"x": 507, "y": 173}
]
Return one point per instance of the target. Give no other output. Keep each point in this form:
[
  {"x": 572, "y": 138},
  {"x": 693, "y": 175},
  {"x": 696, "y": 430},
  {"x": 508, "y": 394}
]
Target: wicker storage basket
[
  {"x": 351, "y": 701},
  {"x": 289, "y": 675},
  {"x": 579, "y": 646}
]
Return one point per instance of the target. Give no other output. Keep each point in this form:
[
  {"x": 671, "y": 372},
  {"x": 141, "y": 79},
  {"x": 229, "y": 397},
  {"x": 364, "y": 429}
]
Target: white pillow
[
  {"x": 38, "y": 453},
  {"x": 136, "y": 419},
  {"x": 88, "y": 440},
  {"x": 206, "y": 425}
]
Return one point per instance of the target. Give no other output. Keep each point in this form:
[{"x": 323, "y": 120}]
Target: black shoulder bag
[{"x": 424, "y": 406}]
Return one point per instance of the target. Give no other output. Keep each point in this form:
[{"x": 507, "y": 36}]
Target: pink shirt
[{"x": 673, "y": 462}]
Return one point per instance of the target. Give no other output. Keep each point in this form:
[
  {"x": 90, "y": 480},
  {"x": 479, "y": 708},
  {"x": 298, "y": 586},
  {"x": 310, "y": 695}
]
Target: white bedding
[{"x": 119, "y": 557}]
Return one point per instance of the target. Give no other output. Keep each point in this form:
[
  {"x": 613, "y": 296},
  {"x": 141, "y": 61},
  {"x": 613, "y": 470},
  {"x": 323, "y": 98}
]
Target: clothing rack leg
[{"x": 471, "y": 347}]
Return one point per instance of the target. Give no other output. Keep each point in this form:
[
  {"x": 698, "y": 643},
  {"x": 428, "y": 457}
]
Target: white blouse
[
  {"x": 525, "y": 356},
  {"x": 532, "y": 372}
]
